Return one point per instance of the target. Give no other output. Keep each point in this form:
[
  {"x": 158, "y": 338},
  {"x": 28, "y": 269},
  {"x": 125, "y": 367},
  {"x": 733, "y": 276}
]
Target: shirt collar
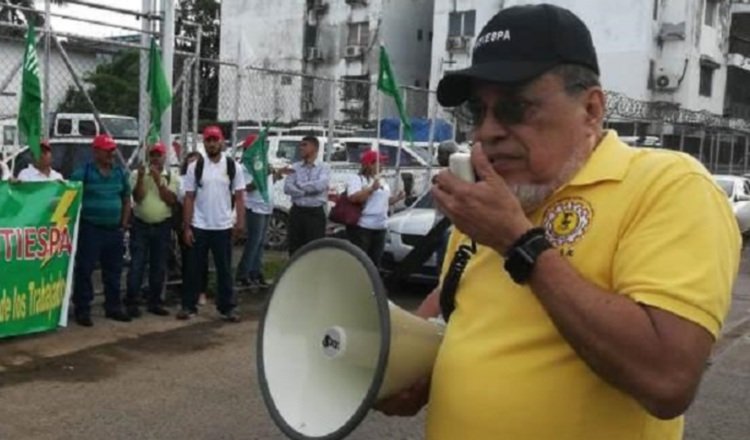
[{"x": 610, "y": 160}]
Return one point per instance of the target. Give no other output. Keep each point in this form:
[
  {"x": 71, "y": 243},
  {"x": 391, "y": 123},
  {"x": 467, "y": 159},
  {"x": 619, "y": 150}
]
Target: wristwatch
[{"x": 521, "y": 257}]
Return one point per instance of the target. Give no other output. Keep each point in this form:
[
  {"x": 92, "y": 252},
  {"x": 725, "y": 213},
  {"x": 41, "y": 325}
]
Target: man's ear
[{"x": 595, "y": 103}]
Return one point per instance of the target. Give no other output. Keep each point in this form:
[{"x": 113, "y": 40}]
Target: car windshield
[
  {"x": 121, "y": 128},
  {"x": 727, "y": 185}
]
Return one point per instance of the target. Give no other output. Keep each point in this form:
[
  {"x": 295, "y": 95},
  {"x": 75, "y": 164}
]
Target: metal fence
[{"x": 83, "y": 74}]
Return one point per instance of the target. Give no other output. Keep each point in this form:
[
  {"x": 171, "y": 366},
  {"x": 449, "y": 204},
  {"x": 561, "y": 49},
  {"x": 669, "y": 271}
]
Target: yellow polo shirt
[
  {"x": 648, "y": 224},
  {"x": 152, "y": 208}
]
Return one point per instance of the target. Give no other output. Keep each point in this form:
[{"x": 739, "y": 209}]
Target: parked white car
[
  {"x": 405, "y": 230},
  {"x": 738, "y": 193}
]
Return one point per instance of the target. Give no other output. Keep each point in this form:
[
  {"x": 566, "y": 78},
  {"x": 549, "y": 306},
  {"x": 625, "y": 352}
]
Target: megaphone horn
[{"x": 331, "y": 344}]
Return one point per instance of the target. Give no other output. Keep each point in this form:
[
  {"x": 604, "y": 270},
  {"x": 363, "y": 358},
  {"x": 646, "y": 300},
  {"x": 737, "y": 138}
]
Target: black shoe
[
  {"x": 133, "y": 311},
  {"x": 261, "y": 282},
  {"x": 185, "y": 314},
  {"x": 118, "y": 315},
  {"x": 231, "y": 316},
  {"x": 158, "y": 310},
  {"x": 244, "y": 282},
  {"x": 84, "y": 320}
]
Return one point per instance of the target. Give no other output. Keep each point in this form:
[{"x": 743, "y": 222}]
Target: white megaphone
[{"x": 331, "y": 344}]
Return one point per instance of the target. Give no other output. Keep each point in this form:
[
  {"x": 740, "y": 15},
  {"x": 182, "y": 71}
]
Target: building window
[
  {"x": 712, "y": 7},
  {"x": 656, "y": 10},
  {"x": 286, "y": 80},
  {"x": 707, "y": 80},
  {"x": 419, "y": 35},
  {"x": 461, "y": 23},
  {"x": 359, "y": 34},
  {"x": 416, "y": 83}
]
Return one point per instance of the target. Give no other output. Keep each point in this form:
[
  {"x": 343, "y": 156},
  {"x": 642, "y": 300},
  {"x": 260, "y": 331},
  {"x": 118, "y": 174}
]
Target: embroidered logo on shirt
[{"x": 567, "y": 220}]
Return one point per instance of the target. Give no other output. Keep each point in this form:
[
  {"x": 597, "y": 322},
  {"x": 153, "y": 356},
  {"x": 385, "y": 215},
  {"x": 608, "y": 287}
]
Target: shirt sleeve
[
  {"x": 23, "y": 176},
  {"x": 127, "y": 189},
  {"x": 354, "y": 185},
  {"x": 188, "y": 181},
  {"x": 680, "y": 251},
  {"x": 239, "y": 178},
  {"x": 77, "y": 174},
  {"x": 290, "y": 184}
]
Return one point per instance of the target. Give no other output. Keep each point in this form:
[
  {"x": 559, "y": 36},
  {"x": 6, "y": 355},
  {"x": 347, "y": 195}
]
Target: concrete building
[
  {"x": 321, "y": 39},
  {"x": 671, "y": 52}
]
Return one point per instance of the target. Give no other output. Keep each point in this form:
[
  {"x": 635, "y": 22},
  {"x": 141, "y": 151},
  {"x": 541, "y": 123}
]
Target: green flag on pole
[
  {"x": 387, "y": 84},
  {"x": 158, "y": 89},
  {"x": 30, "y": 109},
  {"x": 255, "y": 159}
]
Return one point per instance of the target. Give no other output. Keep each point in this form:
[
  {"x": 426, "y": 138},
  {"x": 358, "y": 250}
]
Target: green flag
[
  {"x": 387, "y": 84},
  {"x": 158, "y": 89},
  {"x": 30, "y": 109},
  {"x": 255, "y": 159}
]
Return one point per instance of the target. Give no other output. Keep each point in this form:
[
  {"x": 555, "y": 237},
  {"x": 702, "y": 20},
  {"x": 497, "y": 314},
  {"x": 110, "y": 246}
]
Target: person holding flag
[{"x": 259, "y": 178}]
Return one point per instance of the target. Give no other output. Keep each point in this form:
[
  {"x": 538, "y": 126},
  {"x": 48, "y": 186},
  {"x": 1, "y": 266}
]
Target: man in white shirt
[
  {"x": 41, "y": 170},
  {"x": 214, "y": 186}
]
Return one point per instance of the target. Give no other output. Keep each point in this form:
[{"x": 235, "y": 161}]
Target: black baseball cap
[{"x": 519, "y": 44}]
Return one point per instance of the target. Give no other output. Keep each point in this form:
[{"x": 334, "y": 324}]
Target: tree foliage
[{"x": 113, "y": 87}]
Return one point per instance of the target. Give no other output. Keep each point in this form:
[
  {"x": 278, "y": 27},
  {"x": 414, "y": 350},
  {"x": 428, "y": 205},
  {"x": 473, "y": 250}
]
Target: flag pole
[
  {"x": 400, "y": 142},
  {"x": 378, "y": 116}
]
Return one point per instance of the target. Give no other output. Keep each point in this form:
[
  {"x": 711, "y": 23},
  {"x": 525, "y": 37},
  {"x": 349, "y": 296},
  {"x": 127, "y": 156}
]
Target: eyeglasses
[{"x": 512, "y": 109}]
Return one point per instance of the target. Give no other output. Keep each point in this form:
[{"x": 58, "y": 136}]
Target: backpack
[{"x": 231, "y": 172}]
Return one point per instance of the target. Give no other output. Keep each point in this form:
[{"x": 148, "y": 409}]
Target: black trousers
[
  {"x": 371, "y": 241},
  {"x": 305, "y": 225}
]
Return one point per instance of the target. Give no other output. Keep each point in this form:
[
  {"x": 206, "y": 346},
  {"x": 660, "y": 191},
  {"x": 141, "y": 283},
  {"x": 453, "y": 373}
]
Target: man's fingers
[{"x": 481, "y": 164}]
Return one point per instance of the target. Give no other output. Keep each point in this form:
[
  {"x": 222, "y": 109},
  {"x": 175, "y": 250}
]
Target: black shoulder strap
[
  {"x": 199, "y": 172},
  {"x": 231, "y": 169}
]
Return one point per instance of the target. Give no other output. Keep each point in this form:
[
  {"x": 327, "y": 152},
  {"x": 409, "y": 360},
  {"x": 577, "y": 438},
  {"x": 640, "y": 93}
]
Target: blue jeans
[
  {"x": 220, "y": 245},
  {"x": 148, "y": 240},
  {"x": 105, "y": 245},
  {"x": 251, "y": 262}
]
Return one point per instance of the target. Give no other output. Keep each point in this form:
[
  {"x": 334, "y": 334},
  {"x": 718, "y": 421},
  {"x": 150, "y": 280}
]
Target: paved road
[{"x": 199, "y": 382}]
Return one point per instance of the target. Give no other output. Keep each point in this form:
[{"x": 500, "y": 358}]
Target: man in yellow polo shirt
[
  {"x": 598, "y": 274},
  {"x": 155, "y": 193}
]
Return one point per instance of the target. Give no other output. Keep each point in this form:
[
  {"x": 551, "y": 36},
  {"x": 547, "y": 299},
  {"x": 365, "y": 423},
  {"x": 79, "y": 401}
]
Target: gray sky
[{"x": 80, "y": 28}]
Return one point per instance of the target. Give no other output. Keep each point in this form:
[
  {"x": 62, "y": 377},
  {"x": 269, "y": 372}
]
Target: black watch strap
[{"x": 521, "y": 257}]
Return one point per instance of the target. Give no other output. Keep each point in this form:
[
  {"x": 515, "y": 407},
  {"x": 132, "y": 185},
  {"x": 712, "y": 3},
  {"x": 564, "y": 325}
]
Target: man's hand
[
  {"x": 238, "y": 230},
  {"x": 141, "y": 171},
  {"x": 408, "y": 402},
  {"x": 487, "y": 210},
  {"x": 187, "y": 236},
  {"x": 155, "y": 174}
]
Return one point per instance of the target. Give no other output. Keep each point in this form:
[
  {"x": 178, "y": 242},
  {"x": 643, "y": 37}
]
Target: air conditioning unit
[
  {"x": 667, "y": 76},
  {"x": 353, "y": 51},
  {"x": 354, "y": 104},
  {"x": 457, "y": 44},
  {"x": 313, "y": 54},
  {"x": 356, "y": 2}
]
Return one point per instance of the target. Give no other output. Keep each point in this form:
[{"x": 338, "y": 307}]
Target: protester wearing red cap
[
  {"x": 41, "y": 170},
  {"x": 154, "y": 193},
  {"x": 213, "y": 188},
  {"x": 374, "y": 194},
  {"x": 105, "y": 215}
]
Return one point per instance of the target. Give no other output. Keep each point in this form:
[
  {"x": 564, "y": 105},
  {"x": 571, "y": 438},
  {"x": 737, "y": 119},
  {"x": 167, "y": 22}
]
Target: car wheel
[{"x": 278, "y": 231}]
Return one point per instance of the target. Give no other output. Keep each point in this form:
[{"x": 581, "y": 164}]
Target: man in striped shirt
[
  {"x": 308, "y": 187},
  {"x": 104, "y": 217}
]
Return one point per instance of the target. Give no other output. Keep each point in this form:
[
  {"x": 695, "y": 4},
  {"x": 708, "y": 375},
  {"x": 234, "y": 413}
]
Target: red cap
[
  {"x": 213, "y": 131},
  {"x": 369, "y": 157},
  {"x": 45, "y": 145},
  {"x": 104, "y": 142},
  {"x": 249, "y": 140},
  {"x": 159, "y": 147}
]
